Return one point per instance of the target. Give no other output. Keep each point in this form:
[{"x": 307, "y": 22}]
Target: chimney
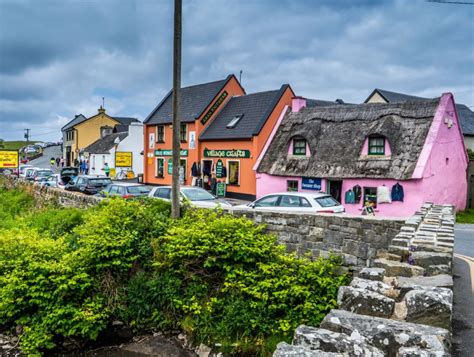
[
  {"x": 101, "y": 110},
  {"x": 297, "y": 103}
]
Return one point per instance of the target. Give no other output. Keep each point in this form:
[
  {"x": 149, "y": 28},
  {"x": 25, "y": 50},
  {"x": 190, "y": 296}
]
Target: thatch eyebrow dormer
[
  {"x": 338, "y": 134},
  {"x": 298, "y": 146}
]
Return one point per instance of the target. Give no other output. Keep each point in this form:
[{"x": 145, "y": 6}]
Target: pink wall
[{"x": 439, "y": 177}]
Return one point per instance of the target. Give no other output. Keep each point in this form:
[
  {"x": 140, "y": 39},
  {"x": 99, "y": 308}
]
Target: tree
[
  {"x": 176, "y": 119},
  {"x": 1, "y": 144}
]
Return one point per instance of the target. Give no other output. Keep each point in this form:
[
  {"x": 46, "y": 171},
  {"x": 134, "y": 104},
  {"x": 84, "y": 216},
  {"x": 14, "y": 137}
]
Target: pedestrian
[
  {"x": 62, "y": 161},
  {"x": 106, "y": 169},
  {"x": 57, "y": 161},
  {"x": 76, "y": 162},
  {"x": 52, "y": 161},
  {"x": 86, "y": 167},
  {"x": 82, "y": 166}
]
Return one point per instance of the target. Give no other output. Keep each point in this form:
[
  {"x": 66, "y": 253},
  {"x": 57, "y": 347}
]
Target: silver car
[
  {"x": 298, "y": 202},
  {"x": 196, "y": 196}
]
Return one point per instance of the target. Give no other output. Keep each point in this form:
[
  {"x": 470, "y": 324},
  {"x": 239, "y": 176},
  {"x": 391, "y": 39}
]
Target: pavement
[
  {"x": 463, "y": 317},
  {"x": 44, "y": 161}
]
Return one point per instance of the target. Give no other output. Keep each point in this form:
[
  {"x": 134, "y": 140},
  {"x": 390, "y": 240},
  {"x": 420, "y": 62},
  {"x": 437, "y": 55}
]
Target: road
[
  {"x": 44, "y": 161},
  {"x": 463, "y": 318}
]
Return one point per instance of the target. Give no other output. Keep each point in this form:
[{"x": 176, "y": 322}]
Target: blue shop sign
[{"x": 308, "y": 183}]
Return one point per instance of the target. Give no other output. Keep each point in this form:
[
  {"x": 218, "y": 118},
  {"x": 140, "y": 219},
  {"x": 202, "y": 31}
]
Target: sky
[{"x": 59, "y": 58}]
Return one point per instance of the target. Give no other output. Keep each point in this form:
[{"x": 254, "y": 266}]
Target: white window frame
[
  {"x": 164, "y": 133},
  {"x": 228, "y": 172}
]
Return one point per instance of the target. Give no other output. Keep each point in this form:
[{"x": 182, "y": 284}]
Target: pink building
[{"x": 394, "y": 156}]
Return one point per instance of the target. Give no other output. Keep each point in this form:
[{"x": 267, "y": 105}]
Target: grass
[
  {"x": 15, "y": 145},
  {"x": 466, "y": 216}
]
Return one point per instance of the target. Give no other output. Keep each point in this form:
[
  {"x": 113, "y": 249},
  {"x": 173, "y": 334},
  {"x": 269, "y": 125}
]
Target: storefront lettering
[
  {"x": 308, "y": 183},
  {"x": 159, "y": 152},
  {"x": 234, "y": 154},
  {"x": 214, "y": 107}
]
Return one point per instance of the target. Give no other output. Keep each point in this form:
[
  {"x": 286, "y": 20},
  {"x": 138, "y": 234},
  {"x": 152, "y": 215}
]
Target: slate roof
[
  {"x": 336, "y": 134},
  {"x": 466, "y": 115},
  {"x": 193, "y": 101},
  {"x": 105, "y": 144},
  {"x": 310, "y": 103},
  {"x": 255, "y": 110},
  {"x": 394, "y": 97},
  {"x": 77, "y": 120},
  {"x": 126, "y": 120}
]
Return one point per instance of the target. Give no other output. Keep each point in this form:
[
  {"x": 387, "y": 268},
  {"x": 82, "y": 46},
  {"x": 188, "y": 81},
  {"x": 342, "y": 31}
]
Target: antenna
[
  {"x": 103, "y": 102},
  {"x": 240, "y": 77}
]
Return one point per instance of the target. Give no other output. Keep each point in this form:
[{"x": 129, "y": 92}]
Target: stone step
[
  {"x": 446, "y": 245},
  {"x": 390, "y": 335},
  {"x": 389, "y": 256},
  {"x": 426, "y": 259},
  {"x": 401, "y": 242},
  {"x": 376, "y": 274},
  {"x": 440, "y": 280},
  {"x": 401, "y": 251},
  {"x": 439, "y": 269},
  {"x": 376, "y": 286},
  {"x": 365, "y": 302},
  {"x": 393, "y": 268}
]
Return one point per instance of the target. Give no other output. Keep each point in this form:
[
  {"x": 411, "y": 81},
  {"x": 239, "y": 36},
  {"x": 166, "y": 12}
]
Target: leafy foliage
[{"x": 67, "y": 273}]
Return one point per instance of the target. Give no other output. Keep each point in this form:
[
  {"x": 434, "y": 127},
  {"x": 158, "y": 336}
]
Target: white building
[{"x": 121, "y": 150}]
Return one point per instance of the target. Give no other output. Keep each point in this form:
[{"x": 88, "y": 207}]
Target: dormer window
[
  {"x": 376, "y": 145},
  {"x": 299, "y": 147},
  {"x": 234, "y": 121}
]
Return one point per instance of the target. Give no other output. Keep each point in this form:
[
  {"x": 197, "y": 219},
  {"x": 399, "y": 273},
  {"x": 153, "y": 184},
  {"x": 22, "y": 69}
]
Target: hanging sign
[
  {"x": 308, "y": 183},
  {"x": 236, "y": 154},
  {"x": 192, "y": 140},
  {"x": 8, "y": 159},
  {"x": 123, "y": 159},
  {"x": 170, "y": 166},
  {"x": 214, "y": 107},
  {"x": 159, "y": 152},
  {"x": 151, "y": 141},
  {"x": 220, "y": 189},
  {"x": 219, "y": 166}
]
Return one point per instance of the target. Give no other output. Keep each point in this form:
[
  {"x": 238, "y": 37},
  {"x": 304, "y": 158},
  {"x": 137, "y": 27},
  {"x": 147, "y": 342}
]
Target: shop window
[
  {"x": 160, "y": 167},
  {"x": 233, "y": 172},
  {"x": 299, "y": 147},
  {"x": 234, "y": 121},
  {"x": 183, "y": 132},
  {"x": 370, "y": 197},
  {"x": 160, "y": 134},
  {"x": 182, "y": 170},
  {"x": 376, "y": 145},
  {"x": 292, "y": 185}
]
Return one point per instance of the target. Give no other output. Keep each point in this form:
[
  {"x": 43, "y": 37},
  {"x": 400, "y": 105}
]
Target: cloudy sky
[{"x": 58, "y": 58}]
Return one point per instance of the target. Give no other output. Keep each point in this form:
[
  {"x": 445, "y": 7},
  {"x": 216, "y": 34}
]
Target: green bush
[{"x": 13, "y": 203}]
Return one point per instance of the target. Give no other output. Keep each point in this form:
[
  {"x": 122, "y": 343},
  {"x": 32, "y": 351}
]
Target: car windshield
[
  {"x": 138, "y": 189},
  {"x": 100, "y": 182},
  {"x": 43, "y": 173},
  {"x": 69, "y": 172},
  {"x": 326, "y": 201},
  {"x": 194, "y": 194}
]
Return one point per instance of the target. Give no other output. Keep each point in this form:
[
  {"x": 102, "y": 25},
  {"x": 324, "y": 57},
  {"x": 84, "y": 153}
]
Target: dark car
[
  {"x": 90, "y": 185},
  {"x": 125, "y": 190},
  {"x": 67, "y": 173}
]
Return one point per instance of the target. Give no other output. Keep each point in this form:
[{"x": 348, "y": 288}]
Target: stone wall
[
  {"x": 356, "y": 238},
  {"x": 400, "y": 307}
]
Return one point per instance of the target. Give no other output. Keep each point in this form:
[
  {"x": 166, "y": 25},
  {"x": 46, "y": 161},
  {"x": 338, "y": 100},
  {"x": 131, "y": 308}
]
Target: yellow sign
[
  {"x": 123, "y": 159},
  {"x": 8, "y": 159}
]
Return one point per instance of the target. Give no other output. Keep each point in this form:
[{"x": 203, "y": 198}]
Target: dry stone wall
[
  {"x": 356, "y": 238},
  {"x": 402, "y": 306}
]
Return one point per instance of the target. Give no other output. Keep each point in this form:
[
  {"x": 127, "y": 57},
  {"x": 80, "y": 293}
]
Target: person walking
[
  {"x": 106, "y": 169},
  {"x": 86, "y": 167},
  {"x": 52, "y": 161},
  {"x": 62, "y": 161},
  {"x": 57, "y": 161}
]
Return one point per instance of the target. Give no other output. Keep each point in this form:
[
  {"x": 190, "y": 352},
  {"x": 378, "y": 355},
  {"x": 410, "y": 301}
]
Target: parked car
[
  {"x": 22, "y": 170},
  {"x": 67, "y": 173},
  {"x": 29, "y": 172},
  {"x": 297, "y": 201},
  {"x": 40, "y": 175},
  {"x": 125, "y": 190},
  {"x": 54, "y": 181},
  {"x": 196, "y": 196},
  {"x": 90, "y": 185}
]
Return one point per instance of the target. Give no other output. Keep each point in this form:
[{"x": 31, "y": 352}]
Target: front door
[{"x": 335, "y": 189}]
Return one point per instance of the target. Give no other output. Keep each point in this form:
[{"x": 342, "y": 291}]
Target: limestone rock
[
  {"x": 416, "y": 352},
  {"x": 329, "y": 341},
  {"x": 439, "y": 269},
  {"x": 389, "y": 335},
  {"x": 430, "y": 306},
  {"x": 426, "y": 259},
  {"x": 441, "y": 281},
  {"x": 285, "y": 350},
  {"x": 375, "y": 286},
  {"x": 398, "y": 268},
  {"x": 400, "y": 311},
  {"x": 372, "y": 274},
  {"x": 366, "y": 302}
]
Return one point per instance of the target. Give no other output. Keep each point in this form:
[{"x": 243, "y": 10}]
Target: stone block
[
  {"x": 389, "y": 335},
  {"x": 365, "y": 302},
  {"x": 393, "y": 268},
  {"x": 426, "y": 259},
  {"x": 375, "y": 286},
  {"x": 285, "y": 350},
  {"x": 430, "y": 306},
  {"x": 318, "y": 339},
  {"x": 372, "y": 274},
  {"x": 333, "y": 237},
  {"x": 439, "y": 269},
  {"x": 356, "y": 248},
  {"x": 441, "y": 281}
]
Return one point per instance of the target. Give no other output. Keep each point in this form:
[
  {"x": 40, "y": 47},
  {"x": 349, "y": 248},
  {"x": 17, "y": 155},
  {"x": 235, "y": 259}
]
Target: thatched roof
[{"x": 336, "y": 134}]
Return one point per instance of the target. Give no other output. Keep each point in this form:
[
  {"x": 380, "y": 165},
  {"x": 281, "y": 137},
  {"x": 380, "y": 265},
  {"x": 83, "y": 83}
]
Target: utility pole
[
  {"x": 27, "y": 135},
  {"x": 175, "y": 192}
]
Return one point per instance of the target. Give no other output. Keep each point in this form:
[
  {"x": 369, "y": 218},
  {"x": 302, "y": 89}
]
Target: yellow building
[{"x": 80, "y": 132}]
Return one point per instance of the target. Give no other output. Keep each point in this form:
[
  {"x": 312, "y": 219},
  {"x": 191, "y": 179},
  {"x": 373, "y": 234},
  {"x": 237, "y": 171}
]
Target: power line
[
  {"x": 451, "y": 2},
  {"x": 51, "y": 132}
]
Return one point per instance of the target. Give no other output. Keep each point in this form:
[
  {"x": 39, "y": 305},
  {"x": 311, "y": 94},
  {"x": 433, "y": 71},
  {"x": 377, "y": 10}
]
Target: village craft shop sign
[
  {"x": 233, "y": 154},
  {"x": 214, "y": 107},
  {"x": 182, "y": 153}
]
